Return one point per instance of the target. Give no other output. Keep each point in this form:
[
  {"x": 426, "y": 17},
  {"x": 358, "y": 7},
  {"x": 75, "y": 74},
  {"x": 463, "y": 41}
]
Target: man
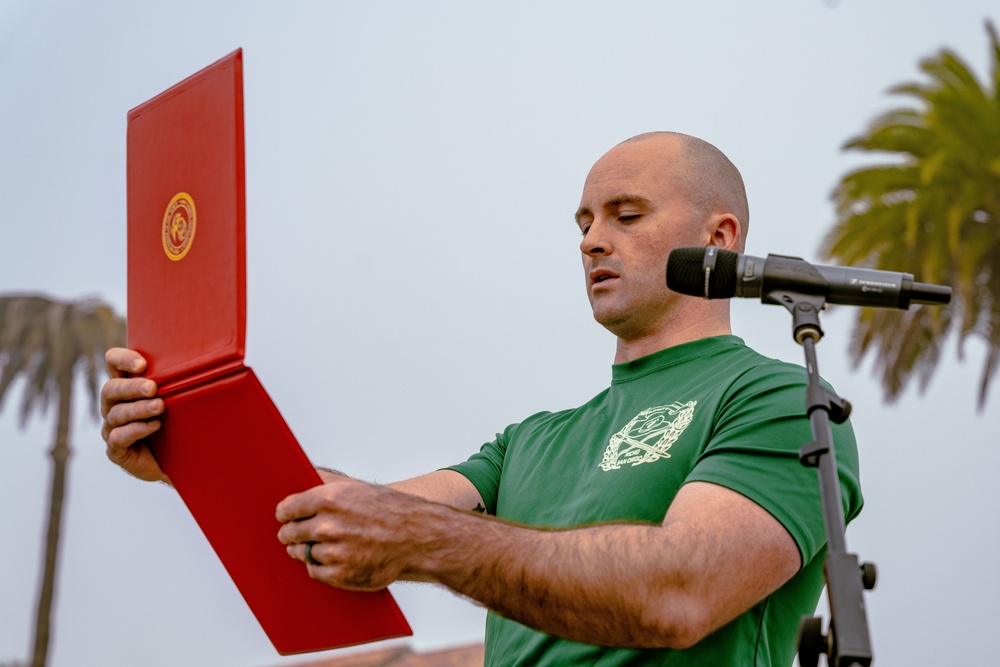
[{"x": 665, "y": 522}]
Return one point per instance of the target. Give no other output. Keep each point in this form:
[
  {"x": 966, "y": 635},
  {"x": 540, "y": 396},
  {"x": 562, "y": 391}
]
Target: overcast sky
[{"x": 413, "y": 269}]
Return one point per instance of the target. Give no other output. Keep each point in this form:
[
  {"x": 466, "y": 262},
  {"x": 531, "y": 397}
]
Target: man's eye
[
  {"x": 584, "y": 229},
  {"x": 629, "y": 217}
]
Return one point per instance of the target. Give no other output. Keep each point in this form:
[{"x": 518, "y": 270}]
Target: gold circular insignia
[{"x": 178, "y": 226}]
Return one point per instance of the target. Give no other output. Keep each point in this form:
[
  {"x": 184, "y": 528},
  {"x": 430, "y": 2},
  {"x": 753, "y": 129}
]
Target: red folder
[{"x": 223, "y": 443}]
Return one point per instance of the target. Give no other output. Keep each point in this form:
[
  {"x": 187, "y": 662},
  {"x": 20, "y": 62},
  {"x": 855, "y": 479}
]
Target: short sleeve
[
  {"x": 485, "y": 467},
  {"x": 754, "y": 446}
]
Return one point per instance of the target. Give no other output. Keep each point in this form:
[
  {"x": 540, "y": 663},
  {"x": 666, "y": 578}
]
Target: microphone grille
[{"x": 686, "y": 273}]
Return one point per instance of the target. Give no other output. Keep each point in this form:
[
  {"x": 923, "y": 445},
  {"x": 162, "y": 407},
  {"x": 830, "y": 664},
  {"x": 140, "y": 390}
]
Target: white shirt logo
[{"x": 648, "y": 436}]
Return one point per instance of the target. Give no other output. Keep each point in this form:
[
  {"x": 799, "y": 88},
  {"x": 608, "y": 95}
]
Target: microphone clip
[{"x": 805, "y": 312}]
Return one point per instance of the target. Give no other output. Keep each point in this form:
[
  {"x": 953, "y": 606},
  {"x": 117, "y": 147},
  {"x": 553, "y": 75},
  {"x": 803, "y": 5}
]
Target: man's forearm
[
  {"x": 609, "y": 585},
  {"x": 716, "y": 555}
]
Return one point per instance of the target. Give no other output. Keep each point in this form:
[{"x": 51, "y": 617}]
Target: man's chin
[
  {"x": 611, "y": 319},
  {"x": 626, "y": 323}
]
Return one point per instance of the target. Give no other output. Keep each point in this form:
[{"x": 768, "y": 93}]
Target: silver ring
[{"x": 309, "y": 554}]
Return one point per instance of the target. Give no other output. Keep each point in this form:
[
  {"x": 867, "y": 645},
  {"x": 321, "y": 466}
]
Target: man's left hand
[{"x": 363, "y": 536}]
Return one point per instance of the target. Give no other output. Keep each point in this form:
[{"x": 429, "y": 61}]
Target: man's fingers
[
  {"x": 297, "y": 507},
  {"x": 296, "y": 532},
  {"x": 132, "y": 411},
  {"x": 303, "y": 505},
  {"x": 119, "y": 390},
  {"x": 316, "y": 554},
  {"x": 122, "y": 362},
  {"x": 326, "y": 562},
  {"x": 123, "y": 437}
]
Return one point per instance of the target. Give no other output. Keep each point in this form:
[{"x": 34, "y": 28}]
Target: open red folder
[{"x": 223, "y": 443}]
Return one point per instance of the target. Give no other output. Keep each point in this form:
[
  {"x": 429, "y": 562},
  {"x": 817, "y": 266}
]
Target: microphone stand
[{"x": 847, "y": 642}]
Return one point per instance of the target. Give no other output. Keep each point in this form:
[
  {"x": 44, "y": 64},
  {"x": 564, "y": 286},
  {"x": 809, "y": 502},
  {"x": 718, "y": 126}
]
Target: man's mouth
[{"x": 601, "y": 275}]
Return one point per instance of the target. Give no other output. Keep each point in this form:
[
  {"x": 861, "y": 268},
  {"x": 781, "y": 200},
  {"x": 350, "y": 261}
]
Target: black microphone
[{"x": 713, "y": 273}]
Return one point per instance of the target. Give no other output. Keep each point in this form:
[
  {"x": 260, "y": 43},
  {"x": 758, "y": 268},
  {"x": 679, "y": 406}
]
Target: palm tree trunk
[{"x": 60, "y": 457}]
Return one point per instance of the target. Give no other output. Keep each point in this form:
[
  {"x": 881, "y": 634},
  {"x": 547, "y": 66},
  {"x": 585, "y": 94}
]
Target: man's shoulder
[
  {"x": 730, "y": 360},
  {"x": 548, "y": 417}
]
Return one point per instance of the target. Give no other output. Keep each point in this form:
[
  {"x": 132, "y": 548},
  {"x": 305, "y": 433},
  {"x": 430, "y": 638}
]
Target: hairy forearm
[
  {"x": 613, "y": 584},
  {"x": 633, "y": 585}
]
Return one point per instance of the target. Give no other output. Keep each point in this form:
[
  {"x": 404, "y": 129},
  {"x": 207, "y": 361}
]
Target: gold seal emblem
[{"x": 178, "y": 226}]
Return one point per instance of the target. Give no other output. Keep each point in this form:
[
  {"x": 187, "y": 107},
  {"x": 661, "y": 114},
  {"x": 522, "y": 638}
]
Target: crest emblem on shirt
[{"x": 649, "y": 436}]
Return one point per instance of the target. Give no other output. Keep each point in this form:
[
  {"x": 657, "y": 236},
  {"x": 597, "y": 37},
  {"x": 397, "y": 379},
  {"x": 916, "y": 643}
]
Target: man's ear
[{"x": 725, "y": 232}]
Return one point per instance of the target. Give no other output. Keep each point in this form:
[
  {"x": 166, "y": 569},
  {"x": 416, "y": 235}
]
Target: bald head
[
  {"x": 642, "y": 200},
  {"x": 711, "y": 182}
]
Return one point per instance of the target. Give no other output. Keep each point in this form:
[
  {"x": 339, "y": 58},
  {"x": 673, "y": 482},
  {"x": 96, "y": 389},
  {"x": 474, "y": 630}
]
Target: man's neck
[{"x": 629, "y": 350}]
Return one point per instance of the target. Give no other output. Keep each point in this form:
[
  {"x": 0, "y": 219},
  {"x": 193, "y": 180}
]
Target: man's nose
[{"x": 596, "y": 241}]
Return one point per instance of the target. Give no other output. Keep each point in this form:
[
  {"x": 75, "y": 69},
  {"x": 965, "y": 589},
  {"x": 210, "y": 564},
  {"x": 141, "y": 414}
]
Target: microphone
[{"x": 714, "y": 273}]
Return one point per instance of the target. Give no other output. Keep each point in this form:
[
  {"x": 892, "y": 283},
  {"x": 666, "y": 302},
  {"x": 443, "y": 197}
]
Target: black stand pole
[{"x": 847, "y": 642}]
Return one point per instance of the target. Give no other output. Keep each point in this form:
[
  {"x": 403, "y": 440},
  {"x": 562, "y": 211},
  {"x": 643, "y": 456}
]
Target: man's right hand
[{"x": 131, "y": 413}]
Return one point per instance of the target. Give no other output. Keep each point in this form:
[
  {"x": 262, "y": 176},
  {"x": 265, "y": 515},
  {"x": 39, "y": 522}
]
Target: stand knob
[
  {"x": 812, "y": 642},
  {"x": 869, "y": 575}
]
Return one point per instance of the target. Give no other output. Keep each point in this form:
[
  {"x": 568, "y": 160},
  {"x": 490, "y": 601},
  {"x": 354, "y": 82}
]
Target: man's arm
[
  {"x": 446, "y": 487},
  {"x": 714, "y": 556}
]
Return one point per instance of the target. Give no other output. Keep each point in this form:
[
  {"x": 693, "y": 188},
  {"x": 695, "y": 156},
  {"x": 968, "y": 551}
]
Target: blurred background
[{"x": 414, "y": 284}]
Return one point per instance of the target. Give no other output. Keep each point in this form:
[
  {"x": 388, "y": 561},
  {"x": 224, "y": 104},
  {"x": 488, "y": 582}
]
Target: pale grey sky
[{"x": 414, "y": 281}]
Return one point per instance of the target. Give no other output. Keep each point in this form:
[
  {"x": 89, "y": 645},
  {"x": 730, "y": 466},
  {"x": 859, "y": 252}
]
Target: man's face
[{"x": 633, "y": 212}]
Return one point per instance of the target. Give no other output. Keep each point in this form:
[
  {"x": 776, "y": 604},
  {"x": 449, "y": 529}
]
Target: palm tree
[
  {"x": 934, "y": 210},
  {"x": 48, "y": 342}
]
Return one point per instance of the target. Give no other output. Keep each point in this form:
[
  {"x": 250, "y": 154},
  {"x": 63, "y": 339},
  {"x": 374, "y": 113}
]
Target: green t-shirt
[{"x": 712, "y": 410}]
